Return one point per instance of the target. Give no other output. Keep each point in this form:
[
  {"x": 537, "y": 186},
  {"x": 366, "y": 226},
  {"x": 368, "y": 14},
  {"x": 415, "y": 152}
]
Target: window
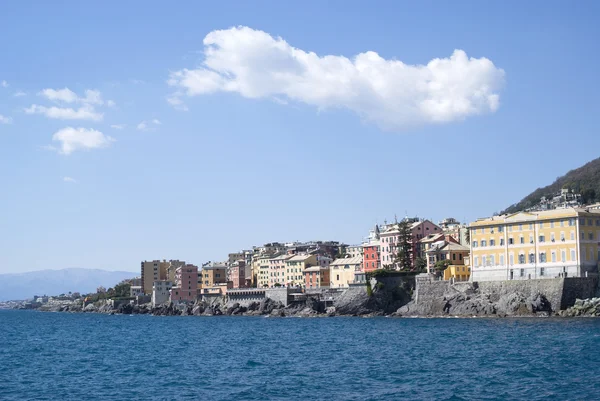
[
  {"x": 562, "y": 223},
  {"x": 542, "y": 257},
  {"x": 492, "y": 242},
  {"x": 597, "y": 222},
  {"x": 522, "y": 240},
  {"x": 520, "y": 227},
  {"x": 461, "y": 258},
  {"x": 509, "y": 229},
  {"x": 541, "y": 271},
  {"x": 500, "y": 229},
  {"x": 531, "y": 226},
  {"x": 531, "y": 258},
  {"x": 572, "y": 255},
  {"x": 474, "y": 244},
  {"x": 582, "y": 222},
  {"x": 563, "y": 256},
  {"x": 511, "y": 241},
  {"x": 571, "y": 222},
  {"x": 366, "y": 256},
  {"x": 530, "y": 239},
  {"x": 542, "y": 238},
  {"x": 572, "y": 235},
  {"x": 502, "y": 259},
  {"x": 590, "y": 236},
  {"x": 551, "y": 223},
  {"x": 554, "y": 257},
  {"x": 522, "y": 272},
  {"x": 552, "y": 237},
  {"x": 541, "y": 225},
  {"x": 562, "y": 237},
  {"x": 492, "y": 260},
  {"x": 521, "y": 259},
  {"x": 582, "y": 235},
  {"x": 483, "y": 242},
  {"x": 511, "y": 259},
  {"x": 590, "y": 222},
  {"x": 476, "y": 262},
  {"x": 501, "y": 241},
  {"x": 453, "y": 256}
]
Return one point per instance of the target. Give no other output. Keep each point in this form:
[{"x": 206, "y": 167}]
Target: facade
[
  {"x": 316, "y": 277},
  {"x": 237, "y": 273},
  {"x": 153, "y": 271},
  {"x": 135, "y": 290},
  {"x": 161, "y": 292},
  {"x": 390, "y": 237},
  {"x": 342, "y": 271},
  {"x": 353, "y": 251},
  {"x": 371, "y": 258},
  {"x": 457, "y": 273},
  {"x": 262, "y": 280},
  {"x": 172, "y": 269},
  {"x": 295, "y": 266},
  {"x": 186, "y": 284},
  {"x": 214, "y": 274},
  {"x": 534, "y": 245},
  {"x": 446, "y": 250},
  {"x": 277, "y": 270}
]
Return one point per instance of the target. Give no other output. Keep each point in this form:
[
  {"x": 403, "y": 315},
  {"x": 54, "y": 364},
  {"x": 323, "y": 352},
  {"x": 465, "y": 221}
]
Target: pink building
[
  {"x": 186, "y": 284},
  {"x": 237, "y": 274},
  {"x": 389, "y": 239}
]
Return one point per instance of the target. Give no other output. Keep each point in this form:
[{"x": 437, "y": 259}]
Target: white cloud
[
  {"x": 390, "y": 93},
  {"x": 145, "y": 126},
  {"x": 85, "y": 112},
  {"x": 175, "y": 101},
  {"x": 19, "y": 94},
  {"x": 66, "y": 95},
  {"x": 111, "y": 103},
  {"x": 73, "y": 139},
  {"x": 4, "y": 84},
  {"x": 118, "y": 126},
  {"x": 70, "y": 179},
  {"x": 5, "y": 120}
]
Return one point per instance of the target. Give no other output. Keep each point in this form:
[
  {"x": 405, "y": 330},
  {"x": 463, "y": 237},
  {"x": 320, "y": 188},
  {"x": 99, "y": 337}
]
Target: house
[
  {"x": 161, "y": 292},
  {"x": 342, "y": 271},
  {"x": 295, "y": 266},
  {"x": 390, "y": 239},
  {"x": 186, "y": 286},
  {"x": 316, "y": 276}
]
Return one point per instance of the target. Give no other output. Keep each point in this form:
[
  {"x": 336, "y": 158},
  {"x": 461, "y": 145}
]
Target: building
[
  {"x": 237, "y": 273},
  {"x": 389, "y": 240},
  {"x": 457, "y": 273},
  {"x": 277, "y": 271},
  {"x": 186, "y": 284},
  {"x": 172, "y": 269},
  {"x": 214, "y": 274},
  {"x": 446, "y": 249},
  {"x": 454, "y": 228},
  {"x": 371, "y": 258},
  {"x": 161, "y": 292},
  {"x": 135, "y": 290},
  {"x": 353, "y": 251},
  {"x": 534, "y": 245},
  {"x": 316, "y": 277},
  {"x": 295, "y": 266},
  {"x": 262, "y": 277},
  {"x": 152, "y": 271},
  {"x": 342, "y": 271}
]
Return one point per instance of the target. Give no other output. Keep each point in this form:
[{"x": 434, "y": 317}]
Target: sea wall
[{"x": 508, "y": 297}]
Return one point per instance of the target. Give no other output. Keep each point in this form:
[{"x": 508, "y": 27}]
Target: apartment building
[
  {"x": 186, "y": 286},
  {"x": 534, "y": 245}
]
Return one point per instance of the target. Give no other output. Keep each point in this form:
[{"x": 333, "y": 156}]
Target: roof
[
  {"x": 357, "y": 260},
  {"x": 299, "y": 258},
  {"x": 447, "y": 246},
  {"x": 432, "y": 237},
  {"x": 282, "y": 257},
  {"x": 316, "y": 268},
  {"x": 534, "y": 216},
  {"x": 215, "y": 266}
]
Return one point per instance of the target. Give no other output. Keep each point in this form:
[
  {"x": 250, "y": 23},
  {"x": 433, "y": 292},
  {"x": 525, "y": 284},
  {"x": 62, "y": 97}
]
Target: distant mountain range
[
  {"x": 584, "y": 180},
  {"x": 18, "y": 286}
]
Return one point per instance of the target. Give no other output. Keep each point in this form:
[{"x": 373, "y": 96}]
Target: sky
[{"x": 142, "y": 130}]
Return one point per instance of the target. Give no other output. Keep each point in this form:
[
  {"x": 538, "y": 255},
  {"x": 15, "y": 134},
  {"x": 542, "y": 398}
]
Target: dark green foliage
[
  {"x": 420, "y": 264},
  {"x": 442, "y": 265},
  {"x": 584, "y": 180},
  {"x": 404, "y": 248}
]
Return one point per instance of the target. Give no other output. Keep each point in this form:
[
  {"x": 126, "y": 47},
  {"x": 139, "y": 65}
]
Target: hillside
[
  {"x": 17, "y": 286},
  {"x": 584, "y": 180}
]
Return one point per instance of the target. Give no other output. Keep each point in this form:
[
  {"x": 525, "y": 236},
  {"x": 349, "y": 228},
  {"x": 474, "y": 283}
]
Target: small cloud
[
  {"x": 73, "y": 139},
  {"x": 156, "y": 122},
  {"x": 4, "y": 84},
  {"x": 5, "y": 120},
  {"x": 142, "y": 126},
  {"x": 111, "y": 103},
  {"x": 85, "y": 112},
  {"x": 118, "y": 126},
  {"x": 145, "y": 126},
  {"x": 19, "y": 94},
  {"x": 175, "y": 101},
  {"x": 137, "y": 82},
  {"x": 69, "y": 179}
]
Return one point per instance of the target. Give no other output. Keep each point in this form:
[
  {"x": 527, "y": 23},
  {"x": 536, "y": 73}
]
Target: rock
[
  {"x": 90, "y": 308},
  {"x": 253, "y": 306},
  {"x": 267, "y": 305},
  {"x": 278, "y": 312},
  {"x": 330, "y": 311}
]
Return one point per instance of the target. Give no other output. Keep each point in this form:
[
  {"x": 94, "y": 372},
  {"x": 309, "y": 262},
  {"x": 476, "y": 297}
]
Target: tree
[
  {"x": 100, "y": 290},
  {"x": 420, "y": 264},
  {"x": 442, "y": 265},
  {"x": 404, "y": 250},
  {"x": 122, "y": 290}
]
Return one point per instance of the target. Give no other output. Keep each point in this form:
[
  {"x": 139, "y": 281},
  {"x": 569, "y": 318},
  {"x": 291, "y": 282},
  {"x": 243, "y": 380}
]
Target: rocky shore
[{"x": 461, "y": 300}]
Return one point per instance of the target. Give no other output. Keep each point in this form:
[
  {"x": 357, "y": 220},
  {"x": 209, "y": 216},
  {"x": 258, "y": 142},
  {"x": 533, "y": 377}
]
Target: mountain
[
  {"x": 584, "y": 180},
  {"x": 17, "y": 286}
]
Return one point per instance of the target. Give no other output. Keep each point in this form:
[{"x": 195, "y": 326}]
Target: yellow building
[
  {"x": 294, "y": 269},
  {"x": 457, "y": 273},
  {"x": 533, "y": 245},
  {"x": 342, "y": 271},
  {"x": 152, "y": 271}
]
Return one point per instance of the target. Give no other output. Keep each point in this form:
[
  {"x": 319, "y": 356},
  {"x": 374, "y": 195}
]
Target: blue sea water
[{"x": 61, "y": 356}]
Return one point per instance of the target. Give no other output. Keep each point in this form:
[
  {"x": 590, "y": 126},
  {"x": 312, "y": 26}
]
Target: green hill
[{"x": 584, "y": 180}]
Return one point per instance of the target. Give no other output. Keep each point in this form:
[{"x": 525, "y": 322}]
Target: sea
[{"x": 63, "y": 356}]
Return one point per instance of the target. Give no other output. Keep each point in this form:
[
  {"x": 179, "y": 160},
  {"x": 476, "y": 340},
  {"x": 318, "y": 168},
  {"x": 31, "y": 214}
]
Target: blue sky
[{"x": 231, "y": 157}]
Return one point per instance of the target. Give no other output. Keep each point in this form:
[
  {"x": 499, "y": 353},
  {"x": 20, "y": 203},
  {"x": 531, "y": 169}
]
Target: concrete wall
[
  {"x": 280, "y": 294},
  {"x": 575, "y": 287}
]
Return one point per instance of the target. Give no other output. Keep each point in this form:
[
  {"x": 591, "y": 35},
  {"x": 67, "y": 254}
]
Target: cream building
[
  {"x": 294, "y": 269},
  {"x": 342, "y": 271},
  {"x": 534, "y": 245}
]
